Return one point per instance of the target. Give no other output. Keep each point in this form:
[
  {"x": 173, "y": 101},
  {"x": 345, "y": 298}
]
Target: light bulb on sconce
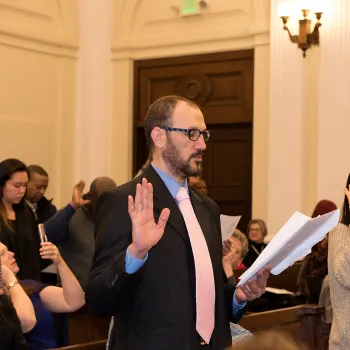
[{"x": 306, "y": 37}]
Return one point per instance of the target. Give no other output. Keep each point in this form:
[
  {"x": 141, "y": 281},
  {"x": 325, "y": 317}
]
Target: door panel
[
  {"x": 227, "y": 169},
  {"x": 222, "y": 85}
]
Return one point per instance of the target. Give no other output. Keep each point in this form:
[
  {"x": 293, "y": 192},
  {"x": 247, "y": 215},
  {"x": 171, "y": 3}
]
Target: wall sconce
[{"x": 306, "y": 37}]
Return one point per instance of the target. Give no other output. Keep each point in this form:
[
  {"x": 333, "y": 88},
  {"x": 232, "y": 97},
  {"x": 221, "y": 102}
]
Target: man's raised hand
[{"x": 146, "y": 233}]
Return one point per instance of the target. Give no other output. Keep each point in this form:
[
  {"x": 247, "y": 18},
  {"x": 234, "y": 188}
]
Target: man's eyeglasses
[{"x": 193, "y": 134}]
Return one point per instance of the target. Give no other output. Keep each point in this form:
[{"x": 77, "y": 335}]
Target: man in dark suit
[
  {"x": 158, "y": 260},
  {"x": 38, "y": 182}
]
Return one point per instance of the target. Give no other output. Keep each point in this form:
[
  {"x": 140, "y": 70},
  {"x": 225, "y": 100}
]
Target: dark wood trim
[
  {"x": 305, "y": 321},
  {"x": 269, "y": 319},
  {"x": 136, "y": 92},
  {"x": 179, "y": 60}
]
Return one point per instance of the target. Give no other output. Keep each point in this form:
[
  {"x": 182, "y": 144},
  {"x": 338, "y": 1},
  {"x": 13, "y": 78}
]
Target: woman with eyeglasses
[{"x": 256, "y": 232}]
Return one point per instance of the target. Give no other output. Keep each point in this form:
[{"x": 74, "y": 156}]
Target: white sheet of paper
[
  {"x": 278, "y": 291},
  {"x": 228, "y": 225},
  {"x": 294, "y": 241},
  {"x": 50, "y": 269}
]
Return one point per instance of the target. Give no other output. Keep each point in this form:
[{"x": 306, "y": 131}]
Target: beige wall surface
[
  {"x": 94, "y": 90},
  {"x": 309, "y": 114},
  {"x": 66, "y": 99},
  {"x": 38, "y": 45}
]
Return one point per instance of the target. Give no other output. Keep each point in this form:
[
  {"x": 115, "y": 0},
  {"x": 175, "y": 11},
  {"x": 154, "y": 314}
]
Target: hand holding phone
[{"x": 42, "y": 233}]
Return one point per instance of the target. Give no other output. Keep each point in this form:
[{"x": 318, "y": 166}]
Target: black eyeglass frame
[{"x": 205, "y": 133}]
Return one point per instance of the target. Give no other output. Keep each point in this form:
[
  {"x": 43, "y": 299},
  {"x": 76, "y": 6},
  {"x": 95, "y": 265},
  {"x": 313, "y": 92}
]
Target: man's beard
[{"x": 177, "y": 165}]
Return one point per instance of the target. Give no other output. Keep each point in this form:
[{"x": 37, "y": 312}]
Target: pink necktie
[{"x": 205, "y": 287}]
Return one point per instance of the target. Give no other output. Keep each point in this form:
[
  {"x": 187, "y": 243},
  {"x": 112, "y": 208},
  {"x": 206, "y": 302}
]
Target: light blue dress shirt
[{"x": 132, "y": 264}]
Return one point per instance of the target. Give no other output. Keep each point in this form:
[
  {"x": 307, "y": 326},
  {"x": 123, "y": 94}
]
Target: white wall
[
  {"x": 285, "y": 151},
  {"x": 334, "y": 103},
  {"x": 309, "y": 115},
  {"x": 94, "y": 90},
  {"x": 38, "y": 47}
]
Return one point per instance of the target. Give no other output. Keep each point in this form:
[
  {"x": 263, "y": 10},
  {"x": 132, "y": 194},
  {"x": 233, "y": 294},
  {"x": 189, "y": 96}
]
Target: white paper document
[
  {"x": 294, "y": 241},
  {"x": 278, "y": 291},
  {"x": 228, "y": 225},
  {"x": 50, "y": 269}
]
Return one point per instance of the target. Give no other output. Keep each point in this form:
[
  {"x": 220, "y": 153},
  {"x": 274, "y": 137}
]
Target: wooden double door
[{"x": 222, "y": 85}]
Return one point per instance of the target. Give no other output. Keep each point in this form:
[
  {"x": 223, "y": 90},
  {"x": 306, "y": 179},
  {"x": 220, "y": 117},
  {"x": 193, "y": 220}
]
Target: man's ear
[{"x": 158, "y": 137}]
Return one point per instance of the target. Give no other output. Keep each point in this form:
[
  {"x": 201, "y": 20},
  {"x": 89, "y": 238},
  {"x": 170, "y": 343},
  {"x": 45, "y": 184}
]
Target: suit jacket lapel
[{"x": 163, "y": 199}]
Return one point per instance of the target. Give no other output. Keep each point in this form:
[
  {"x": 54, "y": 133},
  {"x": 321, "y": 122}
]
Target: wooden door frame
[{"x": 178, "y": 60}]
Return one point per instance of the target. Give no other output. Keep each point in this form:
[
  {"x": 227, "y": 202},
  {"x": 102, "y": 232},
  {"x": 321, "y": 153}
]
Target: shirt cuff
[
  {"x": 236, "y": 307},
  {"x": 133, "y": 264},
  {"x": 73, "y": 205}
]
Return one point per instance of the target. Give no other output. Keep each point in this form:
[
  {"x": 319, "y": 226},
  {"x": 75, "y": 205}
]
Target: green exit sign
[{"x": 189, "y": 7}]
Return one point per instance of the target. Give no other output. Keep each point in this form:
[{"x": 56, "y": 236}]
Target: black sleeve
[
  {"x": 10, "y": 327},
  {"x": 109, "y": 286},
  {"x": 53, "y": 210},
  {"x": 5, "y": 238},
  {"x": 57, "y": 227},
  {"x": 232, "y": 280}
]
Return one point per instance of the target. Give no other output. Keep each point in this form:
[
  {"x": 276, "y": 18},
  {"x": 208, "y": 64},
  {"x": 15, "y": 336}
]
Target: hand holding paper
[
  {"x": 291, "y": 243},
  {"x": 253, "y": 289}
]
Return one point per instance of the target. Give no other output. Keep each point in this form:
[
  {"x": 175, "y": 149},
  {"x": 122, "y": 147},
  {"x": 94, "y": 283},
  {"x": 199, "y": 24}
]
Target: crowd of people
[
  {"x": 38, "y": 297},
  {"x": 149, "y": 253}
]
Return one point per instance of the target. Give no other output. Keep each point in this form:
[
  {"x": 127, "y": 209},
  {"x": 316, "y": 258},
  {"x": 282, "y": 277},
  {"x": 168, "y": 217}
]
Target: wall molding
[
  {"x": 54, "y": 34},
  {"x": 126, "y": 43},
  {"x": 19, "y": 10},
  {"x": 38, "y": 46},
  {"x": 39, "y": 42}
]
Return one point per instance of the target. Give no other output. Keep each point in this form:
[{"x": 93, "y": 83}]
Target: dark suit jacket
[
  {"x": 155, "y": 308},
  {"x": 45, "y": 210},
  {"x": 24, "y": 242}
]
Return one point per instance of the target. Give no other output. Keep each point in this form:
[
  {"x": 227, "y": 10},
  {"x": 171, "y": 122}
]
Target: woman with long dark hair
[
  {"x": 339, "y": 277},
  {"x": 18, "y": 226},
  {"x": 18, "y": 230}
]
